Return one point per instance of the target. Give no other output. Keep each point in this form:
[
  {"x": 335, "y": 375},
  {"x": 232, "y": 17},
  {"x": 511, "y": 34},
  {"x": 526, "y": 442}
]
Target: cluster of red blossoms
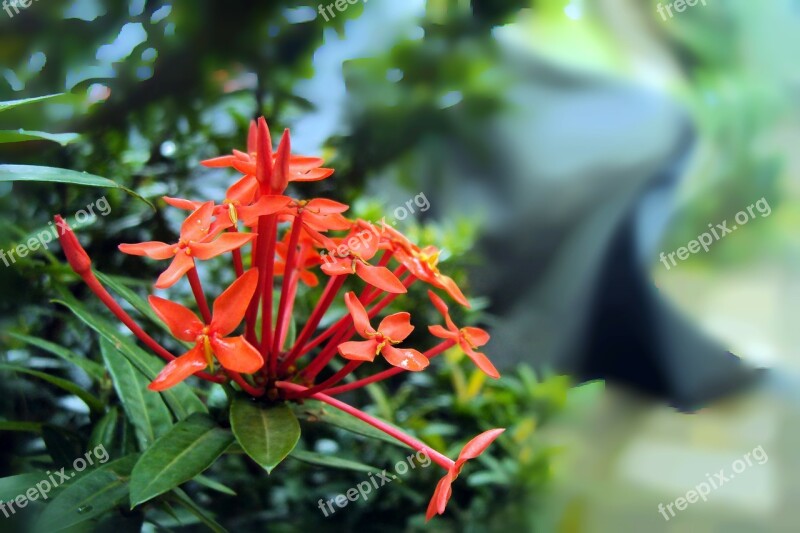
[{"x": 259, "y": 360}]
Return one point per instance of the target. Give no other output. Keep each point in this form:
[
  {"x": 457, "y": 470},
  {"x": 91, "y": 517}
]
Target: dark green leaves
[
  {"x": 60, "y": 175},
  {"x": 266, "y": 433},
  {"x": 10, "y": 104},
  {"x": 88, "y": 496},
  {"x": 145, "y": 409},
  {"x": 187, "y": 450}
]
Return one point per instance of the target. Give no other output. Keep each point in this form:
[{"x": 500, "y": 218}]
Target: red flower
[
  {"x": 392, "y": 330},
  {"x": 468, "y": 338},
  {"x": 233, "y": 353},
  {"x": 301, "y": 168},
  {"x": 240, "y": 194},
  {"x": 423, "y": 263},
  {"x": 351, "y": 255},
  {"x": 196, "y": 240},
  {"x": 319, "y": 214},
  {"x": 444, "y": 489}
]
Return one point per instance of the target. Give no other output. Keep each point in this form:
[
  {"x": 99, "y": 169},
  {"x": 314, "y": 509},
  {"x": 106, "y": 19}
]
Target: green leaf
[
  {"x": 214, "y": 485},
  {"x": 266, "y": 433},
  {"x": 20, "y": 135},
  {"x": 145, "y": 409},
  {"x": 61, "y": 175},
  {"x": 105, "y": 430},
  {"x": 10, "y": 104},
  {"x": 186, "y": 451},
  {"x": 331, "y": 461},
  {"x": 93, "y": 369},
  {"x": 89, "y": 399},
  {"x": 181, "y": 497},
  {"x": 33, "y": 427},
  {"x": 13, "y": 486},
  {"x": 180, "y": 398},
  {"x": 314, "y": 411},
  {"x": 89, "y": 496}
]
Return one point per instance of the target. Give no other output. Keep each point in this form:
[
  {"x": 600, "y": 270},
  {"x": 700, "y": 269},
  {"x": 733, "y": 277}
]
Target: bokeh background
[{"x": 562, "y": 146}]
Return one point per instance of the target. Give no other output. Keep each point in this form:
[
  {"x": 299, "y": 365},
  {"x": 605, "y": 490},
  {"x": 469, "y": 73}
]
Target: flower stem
[
  {"x": 284, "y": 311},
  {"x": 438, "y": 458},
  {"x": 199, "y": 295},
  {"x": 345, "y": 371},
  {"x": 380, "y": 376}
]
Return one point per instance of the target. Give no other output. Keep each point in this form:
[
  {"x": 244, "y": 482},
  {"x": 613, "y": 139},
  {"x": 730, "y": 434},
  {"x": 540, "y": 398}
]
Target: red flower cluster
[{"x": 260, "y": 361}]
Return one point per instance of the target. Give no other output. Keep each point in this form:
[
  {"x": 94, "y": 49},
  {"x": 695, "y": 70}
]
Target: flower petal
[
  {"x": 231, "y": 305},
  {"x": 266, "y": 205},
  {"x": 301, "y": 163},
  {"x": 477, "y": 445},
  {"x": 359, "y": 350},
  {"x": 179, "y": 369},
  {"x": 236, "y": 354},
  {"x": 196, "y": 226},
  {"x": 224, "y": 243},
  {"x": 452, "y": 289},
  {"x": 181, "y": 203},
  {"x": 218, "y": 162},
  {"x": 316, "y": 174},
  {"x": 309, "y": 278},
  {"x": 152, "y": 249},
  {"x": 182, "y": 323},
  {"x": 441, "y": 495},
  {"x": 323, "y": 206},
  {"x": 444, "y": 310},
  {"x": 243, "y": 191},
  {"x": 338, "y": 268},
  {"x": 397, "y": 326},
  {"x": 180, "y": 265},
  {"x": 442, "y": 332},
  {"x": 380, "y": 277},
  {"x": 481, "y": 361},
  {"x": 359, "y": 314},
  {"x": 405, "y": 358},
  {"x": 475, "y": 336}
]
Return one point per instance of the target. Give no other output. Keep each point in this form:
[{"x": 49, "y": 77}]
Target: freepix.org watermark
[
  {"x": 340, "y": 5},
  {"x": 43, "y": 488},
  {"x": 15, "y": 5},
  {"x": 705, "y": 240},
  {"x": 43, "y": 238},
  {"x": 375, "y": 481},
  {"x": 702, "y": 490},
  {"x": 678, "y": 5}
]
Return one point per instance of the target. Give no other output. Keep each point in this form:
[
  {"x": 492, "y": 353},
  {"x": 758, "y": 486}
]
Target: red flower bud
[{"x": 76, "y": 256}]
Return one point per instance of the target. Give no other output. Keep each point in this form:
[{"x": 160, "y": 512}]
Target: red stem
[
  {"x": 249, "y": 389},
  {"x": 331, "y": 290},
  {"x": 345, "y": 371},
  {"x": 267, "y": 266},
  {"x": 380, "y": 376},
  {"x": 199, "y": 296},
  {"x": 103, "y": 295},
  {"x": 408, "y": 440},
  {"x": 284, "y": 311}
]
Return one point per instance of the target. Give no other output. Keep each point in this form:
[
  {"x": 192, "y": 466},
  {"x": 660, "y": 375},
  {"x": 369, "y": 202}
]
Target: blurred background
[{"x": 566, "y": 148}]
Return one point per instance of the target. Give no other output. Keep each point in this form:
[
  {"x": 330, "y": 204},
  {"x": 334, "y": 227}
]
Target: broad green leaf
[
  {"x": 214, "y": 485},
  {"x": 187, "y": 450},
  {"x": 145, "y": 409},
  {"x": 13, "y": 486},
  {"x": 10, "y": 104},
  {"x": 61, "y": 175},
  {"x": 180, "y": 398},
  {"x": 314, "y": 411},
  {"x": 266, "y": 433},
  {"x": 20, "y": 135},
  {"x": 93, "y": 369},
  {"x": 89, "y": 496},
  {"x": 33, "y": 427},
  {"x": 181, "y": 497},
  {"x": 89, "y": 399},
  {"x": 330, "y": 461}
]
